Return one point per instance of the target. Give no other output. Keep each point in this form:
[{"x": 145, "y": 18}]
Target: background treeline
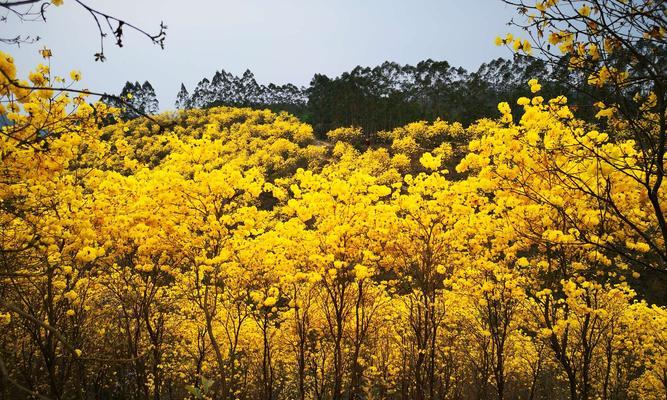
[
  {"x": 383, "y": 97},
  {"x": 391, "y": 95},
  {"x": 134, "y": 100},
  {"x": 227, "y": 89}
]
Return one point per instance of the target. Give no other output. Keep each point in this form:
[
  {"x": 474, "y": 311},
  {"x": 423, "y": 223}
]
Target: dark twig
[{"x": 112, "y": 25}]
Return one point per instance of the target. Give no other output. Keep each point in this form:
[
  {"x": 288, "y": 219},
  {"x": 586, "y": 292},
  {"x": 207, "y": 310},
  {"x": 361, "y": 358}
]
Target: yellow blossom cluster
[{"x": 227, "y": 253}]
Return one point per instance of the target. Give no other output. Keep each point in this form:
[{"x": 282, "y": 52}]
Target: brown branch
[
  {"x": 96, "y": 15},
  {"x": 9, "y": 4},
  {"x": 5, "y": 374}
]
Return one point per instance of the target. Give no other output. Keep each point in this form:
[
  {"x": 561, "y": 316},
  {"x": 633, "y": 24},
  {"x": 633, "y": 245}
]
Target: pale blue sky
[{"x": 280, "y": 41}]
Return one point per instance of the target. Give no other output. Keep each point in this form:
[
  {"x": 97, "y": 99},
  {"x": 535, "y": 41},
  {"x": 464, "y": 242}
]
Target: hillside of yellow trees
[{"x": 227, "y": 254}]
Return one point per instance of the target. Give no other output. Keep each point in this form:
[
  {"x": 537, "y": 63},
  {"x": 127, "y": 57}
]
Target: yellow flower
[
  {"x": 270, "y": 301},
  {"x": 45, "y": 52},
  {"x": 75, "y": 75},
  {"x": 534, "y": 85},
  {"x": 585, "y": 11},
  {"x": 526, "y": 47},
  {"x": 86, "y": 254},
  {"x": 71, "y": 295},
  {"x": 361, "y": 272},
  {"x": 57, "y": 2},
  {"x": 504, "y": 108},
  {"x": 430, "y": 162},
  {"x": 256, "y": 296}
]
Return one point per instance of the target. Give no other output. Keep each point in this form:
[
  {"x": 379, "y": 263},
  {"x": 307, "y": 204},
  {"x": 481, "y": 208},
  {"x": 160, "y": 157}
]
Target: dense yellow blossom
[{"x": 231, "y": 252}]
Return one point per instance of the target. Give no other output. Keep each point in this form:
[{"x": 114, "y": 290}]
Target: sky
[{"x": 285, "y": 41}]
